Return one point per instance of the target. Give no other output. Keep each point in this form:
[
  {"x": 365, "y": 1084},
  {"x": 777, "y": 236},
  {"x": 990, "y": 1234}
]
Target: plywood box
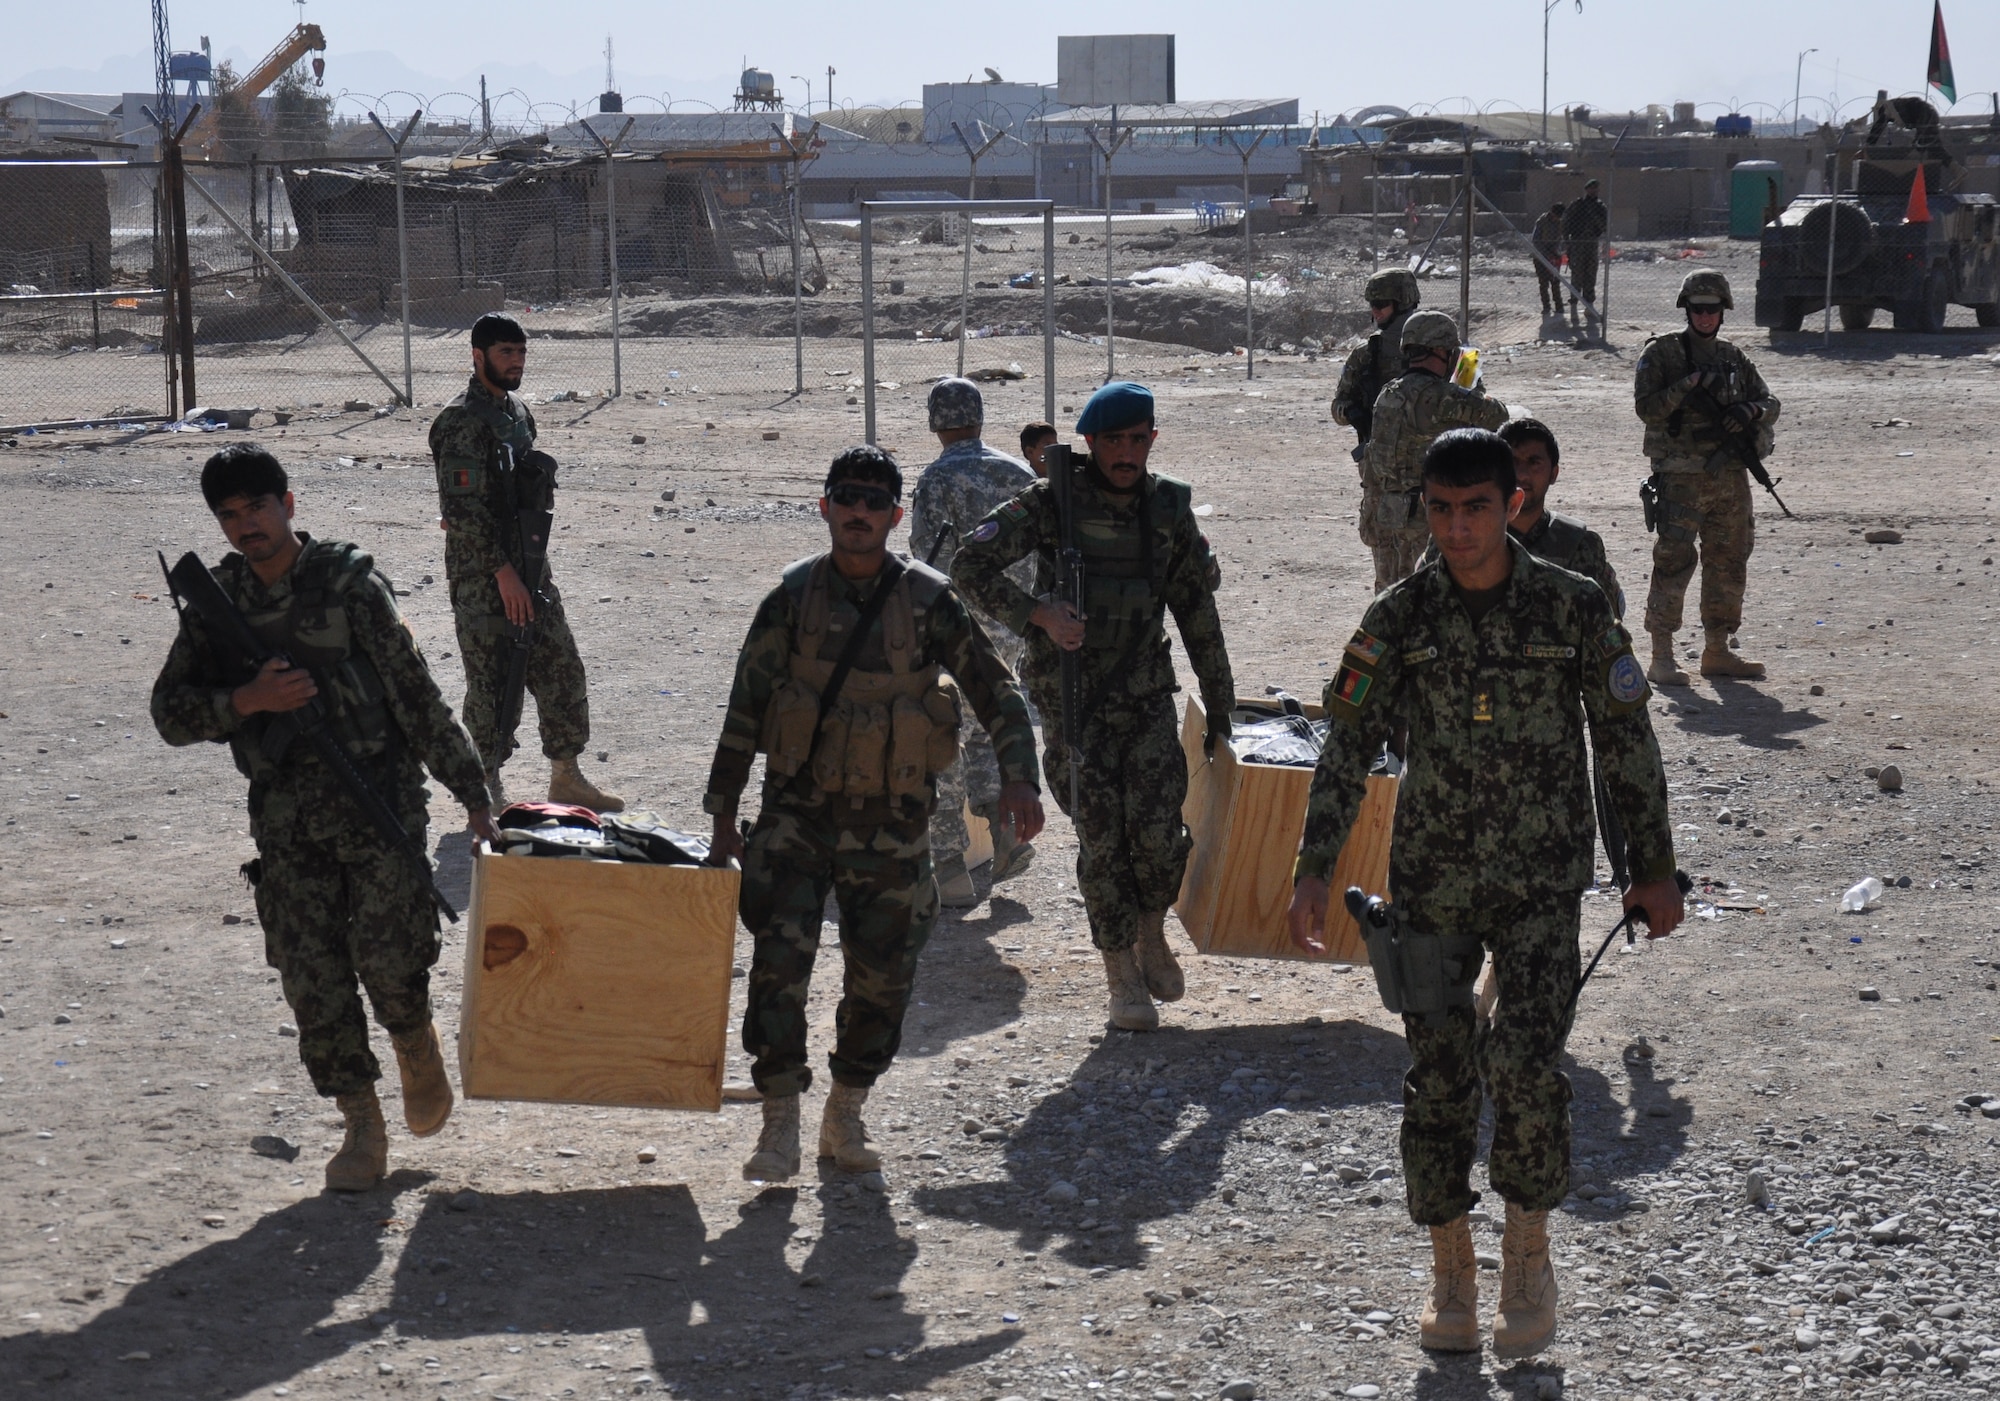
[
  {"x": 597, "y": 982},
  {"x": 1246, "y": 820}
]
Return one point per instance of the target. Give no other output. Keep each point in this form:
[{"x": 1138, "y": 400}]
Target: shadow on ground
[
  {"x": 1740, "y": 711},
  {"x": 967, "y": 955},
  {"x": 742, "y": 1309}
]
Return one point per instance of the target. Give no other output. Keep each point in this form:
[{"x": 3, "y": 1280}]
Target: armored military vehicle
[{"x": 1882, "y": 258}]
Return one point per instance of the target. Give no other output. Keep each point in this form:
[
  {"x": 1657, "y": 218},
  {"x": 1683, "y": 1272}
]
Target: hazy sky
[{"x": 1333, "y": 57}]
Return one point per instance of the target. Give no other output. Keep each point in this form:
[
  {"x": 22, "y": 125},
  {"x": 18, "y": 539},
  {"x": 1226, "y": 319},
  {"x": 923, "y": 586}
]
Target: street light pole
[
  {"x": 1798, "y": 74},
  {"x": 1547, "y": 7}
]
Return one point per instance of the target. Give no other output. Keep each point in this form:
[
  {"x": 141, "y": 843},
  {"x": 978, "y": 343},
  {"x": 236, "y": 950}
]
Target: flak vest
[
  {"x": 888, "y": 732},
  {"x": 311, "y": 628},
  {"x": 1124, "y": 569}
]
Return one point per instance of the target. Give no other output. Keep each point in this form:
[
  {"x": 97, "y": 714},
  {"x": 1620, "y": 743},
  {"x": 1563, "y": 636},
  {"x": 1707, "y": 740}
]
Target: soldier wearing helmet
[
  {"x": 957, "y": 491},
  {"x": 1693, "y": 390},
  {"x": 1392, "y": 296},
  {"x": 1413, "y": 410}
]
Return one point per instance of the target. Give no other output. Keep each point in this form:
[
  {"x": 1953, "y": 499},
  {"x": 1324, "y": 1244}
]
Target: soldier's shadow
[
  {"x": 1741, "y": 711},
  {"x": 258, "y": 1309},
  {"x": 966, "y": 986}
]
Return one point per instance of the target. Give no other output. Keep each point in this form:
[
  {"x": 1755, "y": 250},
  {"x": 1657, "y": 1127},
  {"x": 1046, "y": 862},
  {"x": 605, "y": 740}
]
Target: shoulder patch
[
  {"x": 1014, "y": 510},
  {"x": 984, "y": 531},
  {"x": 1418, "y": 656},
  {"x": 1614, "y": 640},
  {"x": 1350, "y": 687},
  {"x": 1543, "y": 651},
  {"x": 1367, "y": 649},
  {"x": 1627, "y": 682}
]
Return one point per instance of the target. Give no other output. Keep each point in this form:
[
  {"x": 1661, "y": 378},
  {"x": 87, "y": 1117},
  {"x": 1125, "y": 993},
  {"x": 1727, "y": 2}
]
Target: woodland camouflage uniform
[
  {"x": 1144, "y": 558},
  {"x": 872, "y": 854},
  {"x": 1494, "y": 840},
  {"x": 337, "y": 905}
]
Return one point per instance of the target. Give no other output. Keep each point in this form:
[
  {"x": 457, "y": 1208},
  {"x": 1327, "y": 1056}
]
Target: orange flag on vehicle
[{"x": 1919, "y": 211}]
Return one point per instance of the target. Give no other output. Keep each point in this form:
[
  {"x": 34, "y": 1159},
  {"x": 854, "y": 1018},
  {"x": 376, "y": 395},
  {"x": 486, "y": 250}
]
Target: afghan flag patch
[{"x": 1351, "y": 686}]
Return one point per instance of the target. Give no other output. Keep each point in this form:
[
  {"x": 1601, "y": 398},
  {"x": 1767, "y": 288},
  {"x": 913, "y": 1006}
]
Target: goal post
[{"x": 968, "y": 209}]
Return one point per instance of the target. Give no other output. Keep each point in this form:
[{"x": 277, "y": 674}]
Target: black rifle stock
[
  {"x": 194, "y": 587},
  {"x": 1745, "y": 445},
  {"x": 1613, "y": 832},
  {"x": 1061, "y": 464}
]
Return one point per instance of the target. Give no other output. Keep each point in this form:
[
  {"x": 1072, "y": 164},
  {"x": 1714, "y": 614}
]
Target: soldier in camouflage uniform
[
  {"x": 1547, "y": 238},
  {"x": 1392, "y": 295},
  {"x": 1583, "y": 226},
  {"x": 1415, "y": 407},
  {"x": 1495, "y": 661},
  {"x": 1143, "y": 557},
  {"x": 1704, "y": 489},
  {"x": 967, "y": 482},
  {"x": 338, "y": 905},
  {"x": 839, "y": 686},
  {"x": 487, "y": 471}
]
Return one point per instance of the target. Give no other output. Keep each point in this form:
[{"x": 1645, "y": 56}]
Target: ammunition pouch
[
  {"x": 1421, "y": 975},
  {"x": 1395, "y": 509}
]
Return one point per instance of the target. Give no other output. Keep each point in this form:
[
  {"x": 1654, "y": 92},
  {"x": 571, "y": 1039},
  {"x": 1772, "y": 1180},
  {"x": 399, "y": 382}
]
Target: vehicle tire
[
  {"x": 1856, "y": 317},
  {"x": 1925, "y": 311},
  {"x": 1988, "y": 313},
  {"x": 1793, "y": 316}
]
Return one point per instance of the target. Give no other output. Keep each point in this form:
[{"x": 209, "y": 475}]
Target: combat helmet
[
  {"x": 1431, "y": 330},
  {"x": 1398, "y": 285},
  {"x": 956, "y": 403},
  {"x": 1705, "y": 283}
]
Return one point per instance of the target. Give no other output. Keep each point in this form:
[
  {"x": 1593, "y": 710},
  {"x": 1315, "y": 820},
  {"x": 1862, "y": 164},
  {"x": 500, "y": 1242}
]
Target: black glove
[
  {"x": 1218, "y": 732},
  {"x": 1741, "y": 417}
]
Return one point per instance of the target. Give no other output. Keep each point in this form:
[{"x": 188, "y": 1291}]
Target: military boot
[
  {"x": 1450, "y": 1321},
  {"x": 495, "y": 790},
  {"x": 568, "y": 785},
  {"x": 1010, "y": 855},
  {"x": 1131, "y": 1008},
  {"x": 1719, "y": 659},
  {"x": 1665, "y": 671},
  {"x": 955, "y": 888},
  {"x": 363, "y": 1159},
  {"x": 426, "y": 1086},
  {"x": 1526, "y": 1317},
  {"x": 777, "y": 1155},
  {"x": 842, "y": 1135},
  {"x": 1156, "y": 961}
]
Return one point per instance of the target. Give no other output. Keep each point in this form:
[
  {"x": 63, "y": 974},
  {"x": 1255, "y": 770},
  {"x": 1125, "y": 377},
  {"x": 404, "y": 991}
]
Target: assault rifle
[
  {"x": 1062, "y": 465},
  {"x": 531, "y": 539},
  {"x": 1742, "y": 439},
  {"x": 243, "y": 653}
]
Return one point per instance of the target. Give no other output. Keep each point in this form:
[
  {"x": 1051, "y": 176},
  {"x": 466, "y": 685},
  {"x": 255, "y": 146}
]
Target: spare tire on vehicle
[{"x": 1853, "y": 238}]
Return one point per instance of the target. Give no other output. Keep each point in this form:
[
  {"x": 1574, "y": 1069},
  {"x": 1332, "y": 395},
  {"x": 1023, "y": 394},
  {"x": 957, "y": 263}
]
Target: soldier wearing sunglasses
[{"x": 841, "y": 687}]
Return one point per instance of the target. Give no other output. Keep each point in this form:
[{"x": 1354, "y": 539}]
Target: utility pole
[
  {"x": 1249, "y": 268},
  {"x": 402, "y": 243},
  {"x": 829, "y": 87},
  {"x": 485, "y": 114},
  {"x": 1547, "y": 6},
  {"x": 971, "y": 193},
  {"x": 1118, "y": 139},
  {"x": 1798, "y": 74},
  {"x": 1466, "y": 211}
]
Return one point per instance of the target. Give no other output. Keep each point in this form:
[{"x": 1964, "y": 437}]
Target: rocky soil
[{"x": 1782, "y": 1185}]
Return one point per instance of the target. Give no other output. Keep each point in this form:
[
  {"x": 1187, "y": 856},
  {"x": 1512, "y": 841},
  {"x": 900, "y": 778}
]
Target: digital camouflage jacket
[
  {"x": 1495, "y": 805},
  {"x": 475, "y": 496}
]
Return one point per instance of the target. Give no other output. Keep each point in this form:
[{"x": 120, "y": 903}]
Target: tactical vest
[
  {"x": 1125, "y": 569},
  {"x": 311, "y": 629},
  {"x": 888, "y": 732},
  {"x": 1692, "y": 430},
  {"x": 532, "y": 473}
]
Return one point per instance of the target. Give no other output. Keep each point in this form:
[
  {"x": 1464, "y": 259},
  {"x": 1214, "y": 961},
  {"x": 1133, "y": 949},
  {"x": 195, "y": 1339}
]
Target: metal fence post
[
  {"x": 402, "y": 242},
  {"x": 1249, "y": 268},
  {"x": 1049, "y": 313},
  {"x": 1117, "y": 140},
  {"x": 180, "y": 285},
  {"x": 965, "y": 275},
  {"x": 867, "y": 324},
  {"x": 611, "y": 236},
  {"x": 798, "y": 292}
]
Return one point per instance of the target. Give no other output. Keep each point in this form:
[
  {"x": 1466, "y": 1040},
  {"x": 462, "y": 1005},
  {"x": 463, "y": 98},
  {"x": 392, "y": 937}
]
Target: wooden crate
[
  {"x": 1246, "y": 820},
  {"x": 597, "y": 982}
]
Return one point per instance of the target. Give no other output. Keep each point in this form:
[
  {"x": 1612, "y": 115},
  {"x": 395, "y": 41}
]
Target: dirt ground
[{"x": 1212, "y": 1209}]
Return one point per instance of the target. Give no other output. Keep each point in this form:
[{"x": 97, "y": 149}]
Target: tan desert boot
[
  {"x": 1525, "y": 1321},
  {"x": 1131, "y": 1008},
  {"x": 1665, "y": 671},
  {"x": 1450, "y": 1321},
  {"x": 842, "y": 1135},
  {"x": 1156, "y": 961},
  {"x": 777, "y": 1155},
  {"x": 426, "y": 1086},
  {"x": 568, "y": 785},
  {"x": 955, "y": 888},
  {"x": 363, "y": 1159},
  {"x": 1718, "y": 659}
]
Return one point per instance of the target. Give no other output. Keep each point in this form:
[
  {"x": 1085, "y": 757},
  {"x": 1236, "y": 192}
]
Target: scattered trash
[{"x": 1862, "y": 895}]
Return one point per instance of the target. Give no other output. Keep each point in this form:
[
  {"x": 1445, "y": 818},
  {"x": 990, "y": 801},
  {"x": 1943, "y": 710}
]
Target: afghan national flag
[{"x": 1939, "y": 73}]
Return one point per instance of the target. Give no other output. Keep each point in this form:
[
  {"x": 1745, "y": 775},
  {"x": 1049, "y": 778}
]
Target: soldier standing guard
[
  {"x": 1418, "y": 405},
  {"x": 1494, "y": 660},
  {"x": 489, "y": 474},
  {"x": 1694, "y": 391},
  {"x": 839, "y": 686},
  {"x": 338, "y": 904},
  {"x": 1583, "y": 225},
  {"x": 1392, "y": 295},
  {"x": 1143, "y": 557},
  {"x": 966, "y": 483}
]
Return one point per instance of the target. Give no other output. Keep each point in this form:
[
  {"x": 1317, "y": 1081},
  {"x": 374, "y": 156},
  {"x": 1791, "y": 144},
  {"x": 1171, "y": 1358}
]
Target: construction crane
[{"x": 304, "y": 39}]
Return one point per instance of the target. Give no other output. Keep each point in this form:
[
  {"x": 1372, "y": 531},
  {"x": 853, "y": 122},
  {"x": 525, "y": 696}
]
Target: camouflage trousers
[
  {"x": 1712, "y": 509},
  {"x": 974, "y": 775},
  {"x": 336, "y": 913},
  {"x": 555, "y": 672},
  {"x": 880, "y": 876},
  {"x": 1131, "y": 845},
  {"x": 1397, "y": 549},
  {"x": 1534, "y": 948}
]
